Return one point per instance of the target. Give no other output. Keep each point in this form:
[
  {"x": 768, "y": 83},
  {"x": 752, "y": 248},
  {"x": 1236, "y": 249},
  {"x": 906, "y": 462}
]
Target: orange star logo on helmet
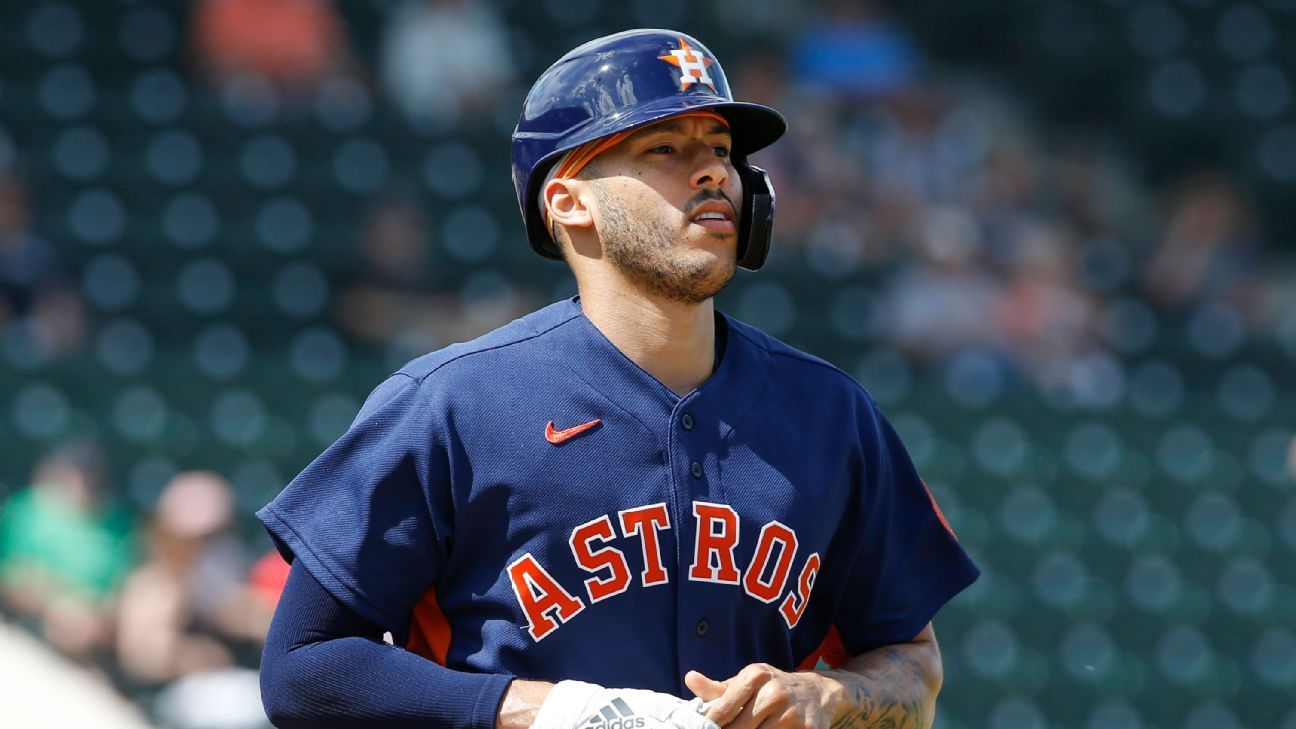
[{"x": 692, "y": 65}]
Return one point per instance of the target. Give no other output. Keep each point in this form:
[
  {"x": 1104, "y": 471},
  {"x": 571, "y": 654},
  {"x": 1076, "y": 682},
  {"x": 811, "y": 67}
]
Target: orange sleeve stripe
[
  {"x": 831, "y": 650},
  {"x": 939, "y": 514},
  {"x": 429, "y": 634},
  {"x": 267, "y": 578}
]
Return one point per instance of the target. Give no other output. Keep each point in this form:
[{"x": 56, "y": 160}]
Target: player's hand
[
  {"x": 579, "y": 705},
  {"x": 765, "y": 697}
]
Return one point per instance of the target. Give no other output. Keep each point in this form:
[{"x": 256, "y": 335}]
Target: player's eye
[
  {"x": 722, "y": 152},
  {"x": 661, "y": 149}
]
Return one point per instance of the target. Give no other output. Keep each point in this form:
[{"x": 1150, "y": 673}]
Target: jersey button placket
[{"x": 693, "y": 446}]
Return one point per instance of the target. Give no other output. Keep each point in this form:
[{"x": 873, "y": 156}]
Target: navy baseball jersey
[{"x": 533, "y": 503}]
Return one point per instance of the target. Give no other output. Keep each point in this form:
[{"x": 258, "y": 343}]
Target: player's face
[{"x": 668, "y": 202}]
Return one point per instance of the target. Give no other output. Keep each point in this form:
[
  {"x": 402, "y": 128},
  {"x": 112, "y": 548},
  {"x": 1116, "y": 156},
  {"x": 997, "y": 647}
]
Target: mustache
[{"x": 707, "y": 196}]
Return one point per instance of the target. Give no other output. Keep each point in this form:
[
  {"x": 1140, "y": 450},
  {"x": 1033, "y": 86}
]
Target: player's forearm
[
  {"x": 319, "y": 671},
  {"x": 359, "y": 683},
  {"x": 520, "y": 703},
  {"x": 894, "y": 686}
]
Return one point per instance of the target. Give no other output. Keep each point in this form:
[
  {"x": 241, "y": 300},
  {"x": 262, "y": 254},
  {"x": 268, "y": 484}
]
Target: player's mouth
[{"x": 714, "y": 215}]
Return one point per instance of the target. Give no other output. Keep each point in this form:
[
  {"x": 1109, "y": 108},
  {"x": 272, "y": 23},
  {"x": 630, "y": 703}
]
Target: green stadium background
[{"x": 1053, "y": 238}]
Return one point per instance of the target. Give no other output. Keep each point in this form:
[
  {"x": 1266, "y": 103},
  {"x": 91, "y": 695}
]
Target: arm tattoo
[{"x": 889, "y": 689}]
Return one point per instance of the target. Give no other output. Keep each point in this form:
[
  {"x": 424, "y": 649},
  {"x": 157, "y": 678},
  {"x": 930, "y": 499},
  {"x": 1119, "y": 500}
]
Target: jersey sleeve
[
  {"x": 368, "y": 517},
  {"x": 907, "y": 562}
]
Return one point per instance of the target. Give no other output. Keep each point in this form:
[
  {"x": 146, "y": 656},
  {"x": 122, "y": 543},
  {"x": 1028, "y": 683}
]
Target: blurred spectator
[
  {"x": 942, "y": 300},
  {"x": 189, "y": 604},
  {"x": 1008, "y": 191},
  {"x": 64, "y": 548},
  {"x": 395, "y": 294},
  {"x": 395, "y": 243},
  {"x": 1042, "y": 314},
  {"x": 1207, "y": 249},
  {"x": 852, "y": 50},
  {"x": 296, "y": 45},
  {"x": 760, "y": 76},
  {"x": 828, "y": 188},
  {"x": 445, "y": 60},
  {"x": 188, "y": 616},
  {"x": 36, "y": 294},
  {"x": 398, "y": 299},
  {"x": 27, "y": 264},
  {"x": 910, "y": 150},
  {"x": 1097, "y": 193}
]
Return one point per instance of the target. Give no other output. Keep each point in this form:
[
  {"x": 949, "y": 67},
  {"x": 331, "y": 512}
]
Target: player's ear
[{"x": 566, "y": 202}]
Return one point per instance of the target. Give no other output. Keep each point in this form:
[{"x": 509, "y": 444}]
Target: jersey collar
[{"x": 728, "y": 395}]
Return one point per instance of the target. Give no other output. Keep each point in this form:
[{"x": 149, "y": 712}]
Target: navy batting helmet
[{"x": 628, "y": 80}]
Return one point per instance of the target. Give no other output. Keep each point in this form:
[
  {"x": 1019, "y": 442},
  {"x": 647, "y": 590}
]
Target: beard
[{"x": 647, "y": 253}]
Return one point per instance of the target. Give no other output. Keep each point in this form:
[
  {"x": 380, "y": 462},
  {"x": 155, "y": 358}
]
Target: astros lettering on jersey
[
  {"x": 533, "y": 503},
  {"x": 714, "y": 541}
]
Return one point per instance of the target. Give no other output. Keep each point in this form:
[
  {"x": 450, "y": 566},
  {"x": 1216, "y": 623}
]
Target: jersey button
[
  {"x": 702, "y": 627},
  {"x": 687, "y": 421},
  {"x": 697, "y": 469}
]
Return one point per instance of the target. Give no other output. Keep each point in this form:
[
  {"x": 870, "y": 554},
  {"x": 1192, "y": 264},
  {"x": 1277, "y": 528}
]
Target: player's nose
[{"x": 710, "y": 171}]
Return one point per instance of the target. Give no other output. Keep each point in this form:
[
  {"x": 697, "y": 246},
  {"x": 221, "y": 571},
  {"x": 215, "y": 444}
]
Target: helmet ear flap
[{"x": 757, "y": 226}]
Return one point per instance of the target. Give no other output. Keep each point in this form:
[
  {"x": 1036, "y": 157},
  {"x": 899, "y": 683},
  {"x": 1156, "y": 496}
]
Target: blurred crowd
[
  {"x": 977, "y": 229},
  {"x": 170, "y": 606},
  {"x": 984, "y": 232}
]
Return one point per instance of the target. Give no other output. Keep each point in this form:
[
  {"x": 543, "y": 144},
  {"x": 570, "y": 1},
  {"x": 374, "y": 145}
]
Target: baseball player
[{"x": 625, "y": 510}]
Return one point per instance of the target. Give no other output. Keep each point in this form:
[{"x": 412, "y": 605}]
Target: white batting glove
[{"x": 580, "y": 705}]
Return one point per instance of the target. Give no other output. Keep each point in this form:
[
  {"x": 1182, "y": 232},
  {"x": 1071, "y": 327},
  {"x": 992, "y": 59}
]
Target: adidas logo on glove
[
  {"x": 580, "y": 705},
  {"x": 616, "y": 715}
]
